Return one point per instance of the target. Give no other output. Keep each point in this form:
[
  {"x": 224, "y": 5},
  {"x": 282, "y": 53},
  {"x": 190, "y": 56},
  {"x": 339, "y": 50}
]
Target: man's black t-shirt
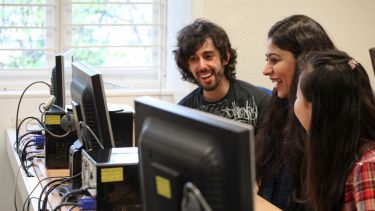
[{"x": 244, "y": 102}]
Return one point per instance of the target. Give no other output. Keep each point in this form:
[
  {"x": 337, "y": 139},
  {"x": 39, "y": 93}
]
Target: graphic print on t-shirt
[{"x": 246, "y": 113}]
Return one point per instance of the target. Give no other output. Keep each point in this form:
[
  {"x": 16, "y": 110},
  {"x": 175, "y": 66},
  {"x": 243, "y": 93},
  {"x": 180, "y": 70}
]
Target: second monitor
[
  {"x": 91, "y": 117},
  {"x": 184, "y": 152},
  {"x": 90, "y": 107}
]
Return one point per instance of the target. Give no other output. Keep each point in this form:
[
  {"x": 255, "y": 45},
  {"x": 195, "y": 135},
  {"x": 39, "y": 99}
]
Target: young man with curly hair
[{"x": 205, "y": 57}]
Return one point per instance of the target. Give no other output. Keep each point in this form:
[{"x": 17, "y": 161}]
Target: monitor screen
[
  {"x": 90, "y": 107},
  {"x": 372, "y": 57},
  {"x": 63, "y": 66},
  {"x": 180, "y": 147}
]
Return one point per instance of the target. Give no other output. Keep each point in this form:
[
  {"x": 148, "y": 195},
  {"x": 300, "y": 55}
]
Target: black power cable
[{"x": 19, "y": 104}]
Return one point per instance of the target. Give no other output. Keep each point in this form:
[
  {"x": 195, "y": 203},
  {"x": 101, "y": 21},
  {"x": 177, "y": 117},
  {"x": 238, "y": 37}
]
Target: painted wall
[{"x": 350, "y": 23}]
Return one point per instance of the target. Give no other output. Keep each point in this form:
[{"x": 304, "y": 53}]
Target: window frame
[{"x": 18, "y": 79}]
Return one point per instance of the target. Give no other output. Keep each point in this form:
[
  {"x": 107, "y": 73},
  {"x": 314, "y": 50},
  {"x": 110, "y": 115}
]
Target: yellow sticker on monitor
[
  {"x": 163, "y": 187},
  {"x": 52, "y": 119},
  {"x": 112, "y": 174}
]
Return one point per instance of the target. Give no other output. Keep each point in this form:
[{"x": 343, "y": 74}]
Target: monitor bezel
[
  {"x": 148, "y": 109},
  {"x": 87, "y": 80},
  {"x": 60, "y": 70}
]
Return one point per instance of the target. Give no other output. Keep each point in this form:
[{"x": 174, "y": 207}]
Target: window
[{"x": 123, "y": 39}]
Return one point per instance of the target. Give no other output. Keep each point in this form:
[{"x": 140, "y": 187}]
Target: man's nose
[{"x": 202, "y": 64}]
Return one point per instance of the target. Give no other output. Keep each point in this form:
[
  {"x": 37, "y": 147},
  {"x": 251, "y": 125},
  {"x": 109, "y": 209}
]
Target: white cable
[{"x": 47, "y": 105}]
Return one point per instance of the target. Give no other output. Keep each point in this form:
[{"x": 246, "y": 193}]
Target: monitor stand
[
  {"x": 193, "y": 200},
  {"x": 75, "y": 166}
]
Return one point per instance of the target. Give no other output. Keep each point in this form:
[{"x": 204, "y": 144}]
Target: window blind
[{"x": 123, "y": 39}]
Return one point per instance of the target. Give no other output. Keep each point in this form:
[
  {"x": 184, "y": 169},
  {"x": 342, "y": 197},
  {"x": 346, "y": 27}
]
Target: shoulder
[
  {"x": 249, "y": 87},
  {"x": 243, "y": 84},
  {"x": 360, "y": 183},
  {"x": 362, "y": 174},
  {"x": 250, "y": 90},
  {"x": 192, "y": 98},
  {"x": 365, "y": 164}
]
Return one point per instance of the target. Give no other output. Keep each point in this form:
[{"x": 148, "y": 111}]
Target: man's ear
[{"x": 226, "y": 60}]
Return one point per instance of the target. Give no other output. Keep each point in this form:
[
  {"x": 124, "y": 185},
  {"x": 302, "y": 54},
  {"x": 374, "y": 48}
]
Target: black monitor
[
  {"x": 372, "y": 57},
  {"x": 63, "y": 65},
  {"x": 90, "y": 107},
  {"x": 181, "y": 148}
]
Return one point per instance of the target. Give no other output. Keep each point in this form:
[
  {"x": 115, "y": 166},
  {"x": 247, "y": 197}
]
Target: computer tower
[
  {"x": 122, "y": 126},
  {"x": 121, "y": 118},
  {"x": 57, "y": 149},
  {"x": 111, "y": 177}
]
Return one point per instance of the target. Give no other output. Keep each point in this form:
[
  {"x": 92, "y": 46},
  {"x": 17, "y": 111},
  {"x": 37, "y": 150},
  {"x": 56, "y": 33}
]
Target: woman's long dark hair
[
  {"x": 280, "y": 140},
  {"x": 342, "y": 124}
]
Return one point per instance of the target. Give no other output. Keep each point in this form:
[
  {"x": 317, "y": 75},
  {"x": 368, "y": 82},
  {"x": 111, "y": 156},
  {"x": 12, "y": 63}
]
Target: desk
[{"x": 26, "y": 184}]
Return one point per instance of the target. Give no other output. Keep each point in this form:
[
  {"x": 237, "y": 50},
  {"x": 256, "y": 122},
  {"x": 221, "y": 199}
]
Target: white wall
[{"x": 350, "y": 23}]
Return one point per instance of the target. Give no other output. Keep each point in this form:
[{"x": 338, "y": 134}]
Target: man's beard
[{"x": 218, "y": 76}]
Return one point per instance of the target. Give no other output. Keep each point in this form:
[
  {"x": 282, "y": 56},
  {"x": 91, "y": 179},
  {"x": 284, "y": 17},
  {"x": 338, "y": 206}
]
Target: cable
[
  {"x": 28, "y": 174},
  {"x": 20, "y": 139},
  {"x": 93, "y": 134},
  {"x": 24, "y": 135},
  {"x": 74, "y": 206},
  {"x": 52, "y": 188},
  {"x": 19, "y": 104},
  {"x": 40, "y": 107},
  {"x": 18, "y": 145},
  {"x": 15, "y": 189},
  {"x": 73, "y": 192},
  {"x": 44, "y": 205},
  {"x": 47, "y": 105},
  {"x": 192, "y": 193},
  {"x": 34, "y": 154},
  {"x": 43, "y": 125},
  {"x": 28, "y": 203},
  {"x": 64, "y": 179},
  {"x": 56, "y": 135},
  {"x": 23, "y": 157},
  {"x": 19, "y": 126},
  {"x": 39, "y": 182},
  {"x": 27, "y": 126},
  {"x": 64, "y": 204},
  {"x": 44, "y": 189},
  {"x": 29, "y": 143},
  {"x": 80, "y": 135}
]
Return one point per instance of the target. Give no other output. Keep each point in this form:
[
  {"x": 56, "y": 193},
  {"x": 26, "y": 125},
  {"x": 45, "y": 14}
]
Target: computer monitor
[
  {"x": 372, "y": 56},
  {"x": 63, "y": 65},
  {"x": 181, "y": 148},
  {"x": 90, "y": 107}
]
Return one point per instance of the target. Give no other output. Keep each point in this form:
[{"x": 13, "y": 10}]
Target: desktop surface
[{"x": 25, "y": 185}]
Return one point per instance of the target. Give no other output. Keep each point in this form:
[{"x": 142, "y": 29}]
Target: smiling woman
[
  {"x": 280, "y": 141},
  {"x": 280, "y": 68},
  {"x": 335, "y": 90}
]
